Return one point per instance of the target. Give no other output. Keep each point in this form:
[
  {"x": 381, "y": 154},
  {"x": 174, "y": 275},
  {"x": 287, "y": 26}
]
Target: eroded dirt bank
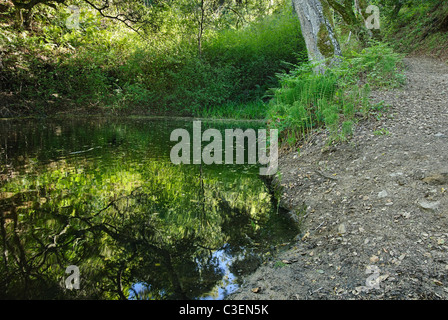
[{"x": 376, "y": 206}]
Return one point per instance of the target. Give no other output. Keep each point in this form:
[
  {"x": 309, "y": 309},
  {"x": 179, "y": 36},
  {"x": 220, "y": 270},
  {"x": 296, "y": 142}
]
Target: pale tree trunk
[{"x": 320, "y": 38}]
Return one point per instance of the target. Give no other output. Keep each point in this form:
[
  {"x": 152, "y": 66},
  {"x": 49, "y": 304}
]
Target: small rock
[
  {"x": 383, "y": 277},
  {"x": 430, "y": 206},
  {"x": 374, "y": 259},
  {"x": 382, "y": 194},
  {"x": 395, "y": 174},
  {"x": 341, "y": 229}
]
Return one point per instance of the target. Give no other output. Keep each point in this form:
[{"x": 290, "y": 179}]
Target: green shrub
[
  {"x": 258, "y": 52},
  {"x": 306, "y": 100},
  {"x": 199, "y": 85},
  {"x": 105, "y": 65}
]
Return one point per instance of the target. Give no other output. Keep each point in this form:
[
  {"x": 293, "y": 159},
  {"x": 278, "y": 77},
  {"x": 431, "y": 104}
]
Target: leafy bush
[
  {"x": 198, "y": 85},
  {"x": 105, "y": 65},
  {"x": 258, "y": 52}
]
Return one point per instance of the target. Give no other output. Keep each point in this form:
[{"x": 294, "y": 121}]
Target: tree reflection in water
[{"x": 135, "y": 227}]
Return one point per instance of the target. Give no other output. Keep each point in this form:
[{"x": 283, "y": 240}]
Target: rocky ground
[{"x": 375, "y": 219}]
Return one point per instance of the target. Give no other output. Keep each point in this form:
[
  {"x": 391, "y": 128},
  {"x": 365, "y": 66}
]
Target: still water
[{"x": 103, "y": 195}]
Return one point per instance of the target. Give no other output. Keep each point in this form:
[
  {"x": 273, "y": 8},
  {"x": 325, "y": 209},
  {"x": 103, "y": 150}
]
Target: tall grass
[{"x": 106, "y": 66}]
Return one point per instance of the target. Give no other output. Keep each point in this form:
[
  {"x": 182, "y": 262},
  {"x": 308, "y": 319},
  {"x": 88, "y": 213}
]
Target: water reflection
[{"x": 103, "y": 195}]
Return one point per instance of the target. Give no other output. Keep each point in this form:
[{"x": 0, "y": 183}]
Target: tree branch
[{"x": 120, "y": 17}]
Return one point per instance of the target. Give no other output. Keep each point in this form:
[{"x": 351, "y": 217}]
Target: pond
[{"x": 102, "y": 198}]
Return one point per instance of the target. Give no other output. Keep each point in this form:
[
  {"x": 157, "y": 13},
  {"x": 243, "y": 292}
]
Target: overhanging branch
[{"x": 119, "y": 17}]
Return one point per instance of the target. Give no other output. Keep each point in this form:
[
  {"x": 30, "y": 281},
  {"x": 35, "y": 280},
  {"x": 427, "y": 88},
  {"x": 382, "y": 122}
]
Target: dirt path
[{"x": 376, "y": 223}]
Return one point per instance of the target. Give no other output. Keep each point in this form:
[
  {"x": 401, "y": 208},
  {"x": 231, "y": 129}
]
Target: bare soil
[{"x": 375, "y": 208}]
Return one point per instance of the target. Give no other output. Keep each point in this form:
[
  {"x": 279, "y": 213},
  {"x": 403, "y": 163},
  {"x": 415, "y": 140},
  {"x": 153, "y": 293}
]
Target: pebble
[
  {"x": 430, "y": 206},
  {"x": 341, "y": 229},
  {"x": 382, "y": 194}
]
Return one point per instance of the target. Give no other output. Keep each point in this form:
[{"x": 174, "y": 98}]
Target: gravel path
[{"x": 375, "y": 219}]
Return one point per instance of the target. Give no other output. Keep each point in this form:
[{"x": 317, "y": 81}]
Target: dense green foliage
[
  {"x": 105, "y": 64},
  {"x": 202, "y": 58},
  {"x": 307, "y": 100},
  {"x": 419, "y": 27},
  {"x": 335, "y": 100}
]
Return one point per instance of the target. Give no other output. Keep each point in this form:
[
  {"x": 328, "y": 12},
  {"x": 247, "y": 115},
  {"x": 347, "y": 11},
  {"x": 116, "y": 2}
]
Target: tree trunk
[
  {"x": 201, "y": 26},
  {"x": 320, "y": 38}
]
